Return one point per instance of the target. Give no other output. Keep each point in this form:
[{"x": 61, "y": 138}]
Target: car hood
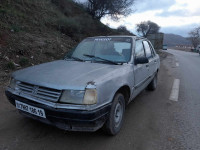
[{"x": 64, "y": 74}]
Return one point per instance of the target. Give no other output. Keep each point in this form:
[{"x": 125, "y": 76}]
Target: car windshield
[{"x": 104, "y": 49}]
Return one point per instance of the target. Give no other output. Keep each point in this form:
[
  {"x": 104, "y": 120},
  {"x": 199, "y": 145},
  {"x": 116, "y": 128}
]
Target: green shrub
[
  {"x": 15, "y": 28},
  {"x": 69, "y": 26},
  {"x": 10, "y": 65},
  {"x": 2, "y": 11},
  {"x": 22, "y": 51},
  {"x": 24, "y": 61},
  {"x": 50, "y": 54}
]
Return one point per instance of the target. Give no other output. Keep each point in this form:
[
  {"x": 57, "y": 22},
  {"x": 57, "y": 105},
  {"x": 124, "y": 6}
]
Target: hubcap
[{"x": 118, "y": 114}]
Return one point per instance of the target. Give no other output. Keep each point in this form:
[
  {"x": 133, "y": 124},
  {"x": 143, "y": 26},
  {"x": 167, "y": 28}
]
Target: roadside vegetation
[
  {"x": 147, "y": 27},
  {"x": 114, "y": 8},
  {"x": 38, "y": 31},
  {"x": 194, "y": 36}
]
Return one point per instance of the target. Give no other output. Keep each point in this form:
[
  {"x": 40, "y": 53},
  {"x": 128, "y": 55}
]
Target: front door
[{"x": 141, "y": 71}]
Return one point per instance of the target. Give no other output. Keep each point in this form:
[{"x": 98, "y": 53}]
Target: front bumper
[{"x": 72, "y": 120}]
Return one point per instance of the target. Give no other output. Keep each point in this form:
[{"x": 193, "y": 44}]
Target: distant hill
[{"x": 173, "y": 40}]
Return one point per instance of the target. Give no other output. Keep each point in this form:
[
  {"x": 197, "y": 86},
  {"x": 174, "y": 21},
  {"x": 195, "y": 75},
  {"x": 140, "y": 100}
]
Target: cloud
[
  {"x": 183, "y": 8},
  {"x": 166, "y": 13},
  {"x": 146, "y": 5},
  {"x": 180, "y": 30},
  {"x": 184, "y": 12}
]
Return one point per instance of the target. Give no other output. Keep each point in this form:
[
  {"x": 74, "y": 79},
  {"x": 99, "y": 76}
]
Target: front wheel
[{"x": 116, "y": 116}]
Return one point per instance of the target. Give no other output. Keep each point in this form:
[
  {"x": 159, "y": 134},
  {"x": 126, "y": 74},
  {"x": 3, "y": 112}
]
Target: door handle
[
  {"x": 155, "y": 61},
  {"x": 147, "y": 65}
]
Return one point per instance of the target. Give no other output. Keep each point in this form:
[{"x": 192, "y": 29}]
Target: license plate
[{"x": 30, "y": 109}]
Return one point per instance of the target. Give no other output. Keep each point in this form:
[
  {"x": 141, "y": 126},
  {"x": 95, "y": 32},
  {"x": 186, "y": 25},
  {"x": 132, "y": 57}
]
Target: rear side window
[
  {"x": 139, "y": 49},
  {"x": 152, "y": 49},
  {"x": 147, "y": 49}
]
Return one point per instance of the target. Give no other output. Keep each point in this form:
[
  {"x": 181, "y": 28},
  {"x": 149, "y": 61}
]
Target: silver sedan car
[{"x": 90, "y": 87}]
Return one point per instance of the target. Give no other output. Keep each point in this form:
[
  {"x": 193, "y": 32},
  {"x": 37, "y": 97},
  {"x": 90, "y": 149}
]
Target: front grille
[{"x": 38, "y": 92}]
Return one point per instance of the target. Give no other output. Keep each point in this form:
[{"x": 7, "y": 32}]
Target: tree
[
  {"x": 122, "y": 29},
  {"x": 113, "y": 8},
  {"x": 194, "y": 36},
  {"x": 147, "y": 27}
]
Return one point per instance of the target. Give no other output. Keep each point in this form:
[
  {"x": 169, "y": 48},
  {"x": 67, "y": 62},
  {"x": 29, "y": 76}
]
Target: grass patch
[
  {"x": 10, "y": 65},
  {"x": 24, "y": 61},
  {"x": 50, "y": 54},
  {"x": 15, "y": 28},
  {"x": 2, "y": 11}
]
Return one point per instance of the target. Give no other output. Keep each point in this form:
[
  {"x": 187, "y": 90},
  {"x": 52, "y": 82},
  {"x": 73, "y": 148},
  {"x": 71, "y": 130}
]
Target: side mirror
[{"x": 141, "y": 60}]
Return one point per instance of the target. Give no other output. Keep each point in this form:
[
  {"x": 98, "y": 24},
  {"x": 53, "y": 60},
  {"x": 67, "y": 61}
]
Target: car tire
[
  {"x": 153, "y": 84},
  {"x": 116, "y": 115}
]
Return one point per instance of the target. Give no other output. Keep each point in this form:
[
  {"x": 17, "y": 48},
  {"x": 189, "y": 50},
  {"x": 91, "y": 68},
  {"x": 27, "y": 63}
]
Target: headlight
[
  {"x": 87, "y": 97},
  {"x": 12, "y": 84},
  {"x": 72, "y": 96}
]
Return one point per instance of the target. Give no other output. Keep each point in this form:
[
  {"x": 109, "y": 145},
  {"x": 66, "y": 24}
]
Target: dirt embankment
[
  {"x": 34, "y": 31},
  {"x": 27, "y": 49},
  {"x": 27, "y": 35}
]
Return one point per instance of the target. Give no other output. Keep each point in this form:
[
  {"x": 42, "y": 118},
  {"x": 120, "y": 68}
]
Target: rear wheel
[
  {"x": 116, "y": 116},
  {"x": 153, "y": 84}
]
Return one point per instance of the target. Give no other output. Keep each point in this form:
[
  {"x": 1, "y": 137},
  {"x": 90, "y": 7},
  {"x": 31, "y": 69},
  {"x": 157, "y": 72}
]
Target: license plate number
[{"x": 30, "y": 109}]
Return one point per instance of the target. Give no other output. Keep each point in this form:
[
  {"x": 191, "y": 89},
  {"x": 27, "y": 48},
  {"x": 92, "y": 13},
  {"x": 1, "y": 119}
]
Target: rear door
[
  {"x": 141, "y": 71},
  {"x": 150, "y": 54}
]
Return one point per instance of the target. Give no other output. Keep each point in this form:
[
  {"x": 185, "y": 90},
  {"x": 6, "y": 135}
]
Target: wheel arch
[{"x": 126, "y": 91}]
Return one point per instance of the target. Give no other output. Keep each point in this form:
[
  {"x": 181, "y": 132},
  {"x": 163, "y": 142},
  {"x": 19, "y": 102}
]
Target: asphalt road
[
  {"x": 187, "y": 109},
  {"x": 152, "y": 121}
]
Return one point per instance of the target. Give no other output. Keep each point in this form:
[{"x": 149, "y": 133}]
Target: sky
[{"x": 173, "y": 16}]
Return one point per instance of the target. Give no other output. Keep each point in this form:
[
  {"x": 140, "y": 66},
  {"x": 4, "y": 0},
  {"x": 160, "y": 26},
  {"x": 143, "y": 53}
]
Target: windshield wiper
[
  {"x": 92, "y": 56},
  {"x": 78, "y": 59}
]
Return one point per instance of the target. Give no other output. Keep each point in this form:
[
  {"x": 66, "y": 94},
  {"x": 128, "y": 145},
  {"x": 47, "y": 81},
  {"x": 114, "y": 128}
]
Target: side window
[
  {"x": 147, "y": 49},
  {"x": 139, "y": 49},
  {"x": 152, "y": 49}
]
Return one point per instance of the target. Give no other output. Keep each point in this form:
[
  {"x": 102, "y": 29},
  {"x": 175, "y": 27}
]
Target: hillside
[
  {"x": 173, "y": 40},
  {"x": 37, "y": 31}
]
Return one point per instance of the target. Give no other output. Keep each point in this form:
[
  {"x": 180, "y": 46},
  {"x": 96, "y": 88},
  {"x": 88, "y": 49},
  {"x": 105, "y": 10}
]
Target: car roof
[{"x": 132, "y": 36}]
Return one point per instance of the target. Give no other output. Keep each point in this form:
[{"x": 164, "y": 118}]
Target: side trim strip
[{"x": 141, "y": 83}]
